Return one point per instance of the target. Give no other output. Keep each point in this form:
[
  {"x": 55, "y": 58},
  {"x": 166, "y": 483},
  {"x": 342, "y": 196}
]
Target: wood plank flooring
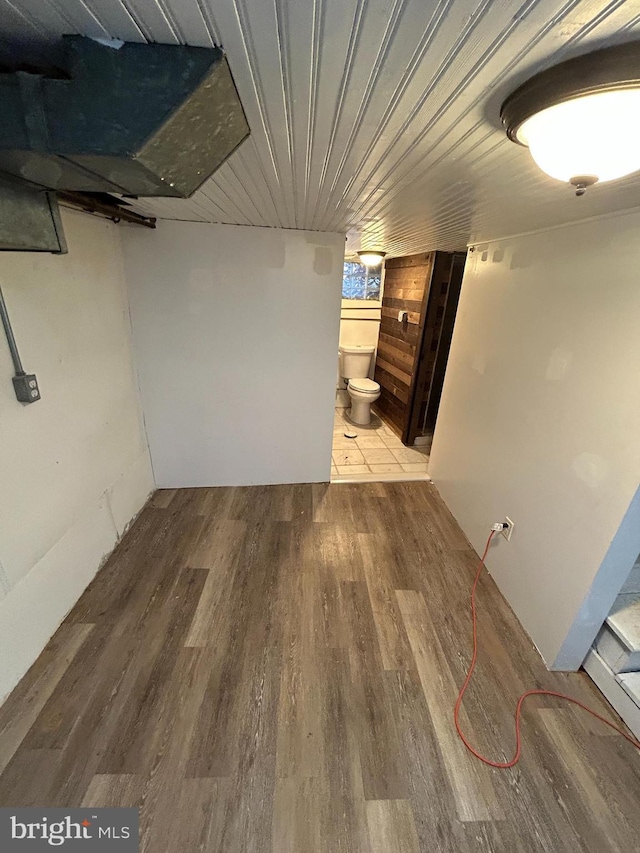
[{"x": 274, "y": 669}]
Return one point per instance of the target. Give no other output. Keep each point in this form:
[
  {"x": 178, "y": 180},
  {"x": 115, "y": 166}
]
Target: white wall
[
  {"x": 74, "y": 466},
  {"x": 359, "y": 327},
  {"x": 236, "y": 335},
  {"x": 540, "y": 421}
]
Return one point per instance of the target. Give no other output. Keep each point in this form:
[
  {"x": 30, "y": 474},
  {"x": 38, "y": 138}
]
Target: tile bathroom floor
[{"x": 375, "y": 454}]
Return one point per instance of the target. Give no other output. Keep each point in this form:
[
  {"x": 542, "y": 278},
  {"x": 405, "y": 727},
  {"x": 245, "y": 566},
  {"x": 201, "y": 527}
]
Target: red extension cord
[{"x": 503, "y": 765}]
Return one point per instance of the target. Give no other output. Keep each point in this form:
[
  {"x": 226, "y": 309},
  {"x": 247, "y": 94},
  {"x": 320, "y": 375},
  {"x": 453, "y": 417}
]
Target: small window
[{"x": 361, "y": 282}]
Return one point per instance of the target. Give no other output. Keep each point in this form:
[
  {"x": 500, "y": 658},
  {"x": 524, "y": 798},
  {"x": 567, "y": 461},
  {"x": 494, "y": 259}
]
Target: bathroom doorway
[
  {"x": 395, "y": 334},
  {"x": 370, "y": 451}
]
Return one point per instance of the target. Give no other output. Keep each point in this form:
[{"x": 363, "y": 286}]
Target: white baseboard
[
  {"x": 33, "y": 609},
  {"x": 381, "y": 478}
]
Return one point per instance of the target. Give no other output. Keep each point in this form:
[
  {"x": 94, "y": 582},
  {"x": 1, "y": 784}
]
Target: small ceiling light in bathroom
[
  {"x": 581, "y": 119},
  {"x": 371, "y": 258}
]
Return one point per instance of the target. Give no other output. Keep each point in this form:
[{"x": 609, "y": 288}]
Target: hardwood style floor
[{"x": 274, "y": 669}]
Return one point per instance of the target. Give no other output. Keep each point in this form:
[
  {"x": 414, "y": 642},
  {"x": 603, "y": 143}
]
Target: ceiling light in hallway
[
  {"x": 581, "y": 119},
  {"x": 371, "y": 258}
]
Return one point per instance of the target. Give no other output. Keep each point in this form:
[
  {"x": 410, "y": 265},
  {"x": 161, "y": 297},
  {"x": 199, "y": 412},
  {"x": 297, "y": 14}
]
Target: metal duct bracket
[
  {"x": 133, "y": 119},
  {"x": 29, "y": 219}
]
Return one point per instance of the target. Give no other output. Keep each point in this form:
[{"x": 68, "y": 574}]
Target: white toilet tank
[{"x": 355, "y": 362}]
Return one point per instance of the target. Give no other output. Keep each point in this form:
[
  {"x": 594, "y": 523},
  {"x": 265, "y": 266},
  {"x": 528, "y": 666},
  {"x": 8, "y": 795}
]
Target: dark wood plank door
[
  {"x": 406, "y": 288},
  {"x": 442, "y": 305},
  {"x": 412, "y": 354}
]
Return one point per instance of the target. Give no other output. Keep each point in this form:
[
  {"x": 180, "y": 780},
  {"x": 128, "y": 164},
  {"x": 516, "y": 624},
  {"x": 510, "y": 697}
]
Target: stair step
[
  {"x": 624, "y": 619},
  {"x": 611, "y": 649},
  {"x": 630, "y": 683},
  {"x": 632, "y": 584},
  {"x": 618, "y": 642},
  {"x": 614, "y": 690}
]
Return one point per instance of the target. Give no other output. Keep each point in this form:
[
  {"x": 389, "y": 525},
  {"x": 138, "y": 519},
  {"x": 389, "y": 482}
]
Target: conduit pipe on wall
[{"x": 25, "y": 385}]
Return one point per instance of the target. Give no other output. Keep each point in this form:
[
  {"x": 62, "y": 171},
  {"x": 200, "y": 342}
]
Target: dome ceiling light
[
  {"x": 581, "y": 119},
  {"x": 371, "y": 258}
]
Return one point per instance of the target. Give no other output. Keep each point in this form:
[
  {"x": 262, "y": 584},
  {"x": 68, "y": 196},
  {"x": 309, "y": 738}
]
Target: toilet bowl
[
  {"x": 363, "y": 392},
  {"x": 355, "y": 364}
]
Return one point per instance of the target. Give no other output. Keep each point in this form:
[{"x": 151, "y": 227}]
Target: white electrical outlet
[{"x": 508, "y": 530}]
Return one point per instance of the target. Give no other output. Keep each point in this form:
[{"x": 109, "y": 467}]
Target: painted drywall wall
[
  {"x": 359, "y": 326},
  {"x": 540, "y": 419},
  {"x": 74, "y": 466},
  {"x": 236, "y": 333}
]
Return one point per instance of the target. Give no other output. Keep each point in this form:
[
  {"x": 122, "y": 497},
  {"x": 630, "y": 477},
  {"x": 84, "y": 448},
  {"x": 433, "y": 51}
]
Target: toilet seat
[{"x": 365, "y": 386}]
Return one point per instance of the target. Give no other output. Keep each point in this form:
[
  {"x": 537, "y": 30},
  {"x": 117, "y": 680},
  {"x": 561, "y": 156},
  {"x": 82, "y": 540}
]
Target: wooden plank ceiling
[{"x": 375, "y": 117}]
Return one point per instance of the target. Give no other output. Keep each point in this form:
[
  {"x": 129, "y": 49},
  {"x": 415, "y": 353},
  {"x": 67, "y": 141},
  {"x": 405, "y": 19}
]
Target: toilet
[{"x": 355, "y": 363}]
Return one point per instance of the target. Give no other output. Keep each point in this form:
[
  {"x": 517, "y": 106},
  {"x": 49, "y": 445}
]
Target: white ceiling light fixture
[
  {"x": 371, "y": 258},
  {"x": 581, "y": 119}
]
